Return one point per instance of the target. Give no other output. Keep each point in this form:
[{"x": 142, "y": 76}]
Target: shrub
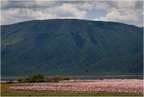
[
  {"x": 30, "y": 79},
  {"x": 46, "y": 79},
  {"x": 20, "y": 80},
  {"x": 100, "y": 77},
  {"x": 35, "y": 78},
  {"x": 41, "y": 78},
  {"x": 38, "y": 76},
  {"x": 66, "y": 78},
  {"x": 58, "y": 78},
  {"x": 74, "y": 78},
  {"x": 9, "y": 82}
]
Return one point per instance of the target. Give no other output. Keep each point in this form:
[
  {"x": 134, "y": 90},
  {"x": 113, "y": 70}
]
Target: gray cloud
[{"x": 29, "y": 4}]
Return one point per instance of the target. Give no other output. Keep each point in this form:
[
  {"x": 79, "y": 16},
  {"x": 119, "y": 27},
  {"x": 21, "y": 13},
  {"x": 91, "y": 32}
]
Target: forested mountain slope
[{"x": 71, "y": 47}]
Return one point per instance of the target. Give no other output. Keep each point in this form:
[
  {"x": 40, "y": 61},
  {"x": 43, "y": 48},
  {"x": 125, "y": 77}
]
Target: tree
[
  {"x": 75, "y": 78},
  {"x": 36, "y": 78},
  {"x": 41, "y": 78},
  {"x": 20, "y": 80}
]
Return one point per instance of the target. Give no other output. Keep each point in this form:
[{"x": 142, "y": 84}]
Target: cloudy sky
[{"x": 129, "y": 12}]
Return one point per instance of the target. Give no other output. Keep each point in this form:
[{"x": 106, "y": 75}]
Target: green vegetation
[
  {"x": 58, "y": 78},
  {"x": 20, "y": 80},
  {"x": 71, "y": 47},
  {"x": 35, "y": 78},
  {"x": 41, "y": 78},
  {"x": 15, "y": 93},
  {"x": 100, "y": 77},
  {"x": 9, "y": 82}
]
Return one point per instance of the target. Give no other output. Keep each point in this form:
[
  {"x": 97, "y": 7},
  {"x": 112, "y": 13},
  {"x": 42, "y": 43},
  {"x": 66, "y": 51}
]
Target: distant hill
[{"x": 71, "y": 47}]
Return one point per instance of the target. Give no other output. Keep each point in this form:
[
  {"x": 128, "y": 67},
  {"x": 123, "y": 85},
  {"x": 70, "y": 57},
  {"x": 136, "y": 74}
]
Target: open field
[
  {"x": 113, "y": 87},
  {"x": 10, "y": 93}
]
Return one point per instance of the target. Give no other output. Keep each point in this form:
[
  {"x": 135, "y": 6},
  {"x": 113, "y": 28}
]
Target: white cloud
[
  {"x": 122, "y": 11},
  {"x": 22, "y": 11},
  {"x": 67, "y": 10},
  {"x": 130, "y": 12},
  {"x": 102, "y": 5},
  {"x": 117, "y": 15},
  {"x": 86, "y": 5}
]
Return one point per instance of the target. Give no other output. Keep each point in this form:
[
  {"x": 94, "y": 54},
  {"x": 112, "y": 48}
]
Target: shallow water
[{"x": 86, "y": 77}]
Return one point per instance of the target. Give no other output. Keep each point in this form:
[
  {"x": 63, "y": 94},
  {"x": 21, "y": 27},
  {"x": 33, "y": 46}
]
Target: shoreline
[{"x": 84, "y": 77}]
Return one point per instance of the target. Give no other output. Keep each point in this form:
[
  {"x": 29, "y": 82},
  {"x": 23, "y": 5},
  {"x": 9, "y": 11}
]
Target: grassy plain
[{"x": 5, "y": 91}]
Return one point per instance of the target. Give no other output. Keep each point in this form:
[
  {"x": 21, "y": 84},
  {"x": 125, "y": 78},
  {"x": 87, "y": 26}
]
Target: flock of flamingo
[{"x": 127, "y": 86}]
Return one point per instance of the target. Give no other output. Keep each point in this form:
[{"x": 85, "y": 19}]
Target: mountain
[{"x": 71, "y": 47}]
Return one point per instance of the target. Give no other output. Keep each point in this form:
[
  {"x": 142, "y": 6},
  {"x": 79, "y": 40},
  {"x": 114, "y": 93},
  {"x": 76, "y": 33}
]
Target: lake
[{"x": 86, "y": 77}]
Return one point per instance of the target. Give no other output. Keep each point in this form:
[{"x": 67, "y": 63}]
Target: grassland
[{"x": 18, "y": 93}]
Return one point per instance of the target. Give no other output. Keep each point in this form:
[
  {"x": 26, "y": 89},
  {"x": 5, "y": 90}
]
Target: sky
[{"x": 123, "y": 11}]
